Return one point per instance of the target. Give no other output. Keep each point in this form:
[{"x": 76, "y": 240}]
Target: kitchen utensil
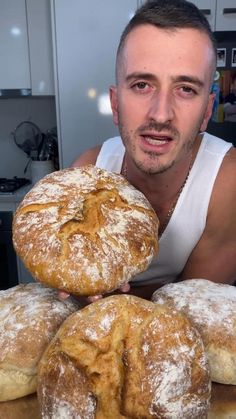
[
  {"x": 28, "y": 137},
  {"x": 49, "y": 147}
]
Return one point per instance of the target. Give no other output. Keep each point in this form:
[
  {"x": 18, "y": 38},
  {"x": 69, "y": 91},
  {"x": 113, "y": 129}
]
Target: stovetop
[{"x": 11, "y": 185}]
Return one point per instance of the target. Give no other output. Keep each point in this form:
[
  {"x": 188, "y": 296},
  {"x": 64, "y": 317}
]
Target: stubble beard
[{"x": 128, "y": 138}]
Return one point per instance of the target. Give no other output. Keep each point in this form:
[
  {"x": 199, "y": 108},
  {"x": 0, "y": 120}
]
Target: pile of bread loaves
[{"x": 87, "y": 231}]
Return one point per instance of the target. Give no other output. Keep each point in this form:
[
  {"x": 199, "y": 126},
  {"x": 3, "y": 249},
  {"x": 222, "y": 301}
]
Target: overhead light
[
  {"x": 15, "y": 31},
  {"x": 92, "y": 93}
]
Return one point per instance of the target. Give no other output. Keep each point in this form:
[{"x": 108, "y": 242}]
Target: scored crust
[
  {"x": 212, "y": 309},
  {"x": 124, "y": 357},
  {"x": 85, "y": 231},
  {"x": 30, "y": 315}
]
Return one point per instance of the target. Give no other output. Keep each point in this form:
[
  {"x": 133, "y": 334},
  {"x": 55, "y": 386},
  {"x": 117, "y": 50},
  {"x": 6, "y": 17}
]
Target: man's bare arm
[
  {"x": 214, "y": 257},
  {"x": 212, "y": 260},
  {"x": 88, "y": 157}
]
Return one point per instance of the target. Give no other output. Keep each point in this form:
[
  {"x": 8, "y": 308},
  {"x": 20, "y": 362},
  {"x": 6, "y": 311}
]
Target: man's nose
[{"x": 161, "y": 107}]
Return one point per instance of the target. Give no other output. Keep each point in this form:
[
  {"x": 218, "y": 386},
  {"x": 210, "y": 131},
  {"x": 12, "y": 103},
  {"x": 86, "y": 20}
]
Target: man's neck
[{"x": 163, "y": 189}]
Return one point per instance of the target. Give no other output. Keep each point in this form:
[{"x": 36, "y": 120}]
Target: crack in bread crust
[
  {"x": 85, "y": 231},
  {"x": 124, "y": 357}
]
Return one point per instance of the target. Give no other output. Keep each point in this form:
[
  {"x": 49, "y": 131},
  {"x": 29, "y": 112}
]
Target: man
[{"x": 162, "y": 103}]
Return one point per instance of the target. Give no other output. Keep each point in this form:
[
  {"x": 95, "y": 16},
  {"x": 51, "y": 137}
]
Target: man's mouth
[
  {"x": 154, "y": 139},
  {"x": 157, "y": 140}
]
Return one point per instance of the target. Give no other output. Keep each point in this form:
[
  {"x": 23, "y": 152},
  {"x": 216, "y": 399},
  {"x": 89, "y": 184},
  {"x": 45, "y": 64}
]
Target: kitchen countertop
[
  {"x": 223, "y": 405},
  {"x": 16, "y": 196}
]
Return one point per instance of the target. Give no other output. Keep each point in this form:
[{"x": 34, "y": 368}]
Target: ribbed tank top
[{"x": 189, "y": 217}]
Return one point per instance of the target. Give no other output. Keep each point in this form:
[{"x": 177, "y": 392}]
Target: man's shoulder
[
  {"x": 215, "y": 145},
  {"x": 88, "y": 157},
  {"x": 229, "y": 162},
  {"x": 225, "y": 184}
]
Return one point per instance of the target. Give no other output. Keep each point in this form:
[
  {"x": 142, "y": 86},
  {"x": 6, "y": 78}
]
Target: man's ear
[
  {"x": 208, "y": 112},
  {"x": 114, "y": 103}
]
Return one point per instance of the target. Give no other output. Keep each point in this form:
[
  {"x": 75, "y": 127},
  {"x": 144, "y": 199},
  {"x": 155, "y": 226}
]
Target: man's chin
[{"x": 153, "y": 169}]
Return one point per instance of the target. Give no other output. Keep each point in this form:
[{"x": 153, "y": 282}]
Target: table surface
[{"x": 223, "y": 405}]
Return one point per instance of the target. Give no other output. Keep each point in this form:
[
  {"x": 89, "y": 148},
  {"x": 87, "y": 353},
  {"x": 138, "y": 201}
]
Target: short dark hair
[{"x": 169, "y": 14}]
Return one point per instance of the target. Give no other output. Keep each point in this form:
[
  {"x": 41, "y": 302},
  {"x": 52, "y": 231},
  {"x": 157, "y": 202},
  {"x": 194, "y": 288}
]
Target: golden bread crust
[
  {"x": 212, "y": 309},
  {"x": 85, "y": 231},
  {"x": 124, "y": 357},
  {"x": 30, "y": 315}
]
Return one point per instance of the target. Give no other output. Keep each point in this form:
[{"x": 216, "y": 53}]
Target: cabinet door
[
  {"x": 226, "y": 15},
  {"x": 208, "y": 7},
  {"x": 14, "y": 68},
  {"x": 40, "y": 46}
]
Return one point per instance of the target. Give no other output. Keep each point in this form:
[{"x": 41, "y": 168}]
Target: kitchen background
[{"x": 57, "y": 62}]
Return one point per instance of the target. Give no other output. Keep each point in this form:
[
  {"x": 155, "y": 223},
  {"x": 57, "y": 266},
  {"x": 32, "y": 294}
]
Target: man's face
[{"x": 162, "y": 98}]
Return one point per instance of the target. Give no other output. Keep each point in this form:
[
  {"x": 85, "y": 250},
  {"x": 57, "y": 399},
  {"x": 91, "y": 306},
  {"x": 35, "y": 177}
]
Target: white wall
[
  {"x": 40, "y": 110},
  {"x": 86, "y": 36}
]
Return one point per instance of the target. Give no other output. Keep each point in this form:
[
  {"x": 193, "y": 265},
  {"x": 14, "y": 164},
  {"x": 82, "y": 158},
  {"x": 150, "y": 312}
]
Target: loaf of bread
[
  {"x": 212, "y": 309},
  {"x": 30, "y": 315},
  {"x": 85, "y": 231},
  {"x": 124, "y": 357}
]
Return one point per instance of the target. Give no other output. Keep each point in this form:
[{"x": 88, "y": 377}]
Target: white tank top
[{"x": 189, "y": 217}]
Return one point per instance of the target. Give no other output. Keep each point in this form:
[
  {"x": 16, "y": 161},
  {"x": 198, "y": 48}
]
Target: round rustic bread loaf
[
  {"x": 30, "y": 315},
  {"x": 85, "y": 231},
  {"x": 212, "y": 309},
  {"x": 124, "y": 357}
]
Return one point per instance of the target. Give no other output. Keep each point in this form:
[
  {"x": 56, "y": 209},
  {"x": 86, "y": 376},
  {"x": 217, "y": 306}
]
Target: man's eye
[
  {"x": 188, "y": 90},
  {"x": 141, "y": 85}
]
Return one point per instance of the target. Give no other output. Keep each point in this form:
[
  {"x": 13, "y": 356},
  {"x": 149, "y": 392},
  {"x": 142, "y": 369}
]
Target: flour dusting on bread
[
  {"x": 85, "y": 231},
  {"x": 136, "y": 358},
  {"x": 30, "y": 315},
  {"x": 212, "y": 309}
]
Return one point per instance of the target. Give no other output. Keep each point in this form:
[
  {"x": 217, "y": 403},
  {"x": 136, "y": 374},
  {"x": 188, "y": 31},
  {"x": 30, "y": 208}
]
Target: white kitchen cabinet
[
  {"x": 221, "y": 14},
  {"x": 40, "y": 46},
  {"x": 26, "y": 47},
  {"x": 226, "y": 15},
  {"x": 208, "y": 7},
  {"x": 14, "y": 68}
]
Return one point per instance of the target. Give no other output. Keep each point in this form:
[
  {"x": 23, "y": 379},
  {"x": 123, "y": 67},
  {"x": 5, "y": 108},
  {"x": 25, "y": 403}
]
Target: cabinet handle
[
  {"x": 206, "y": 11},
  {"x": 229, "y": 10}
]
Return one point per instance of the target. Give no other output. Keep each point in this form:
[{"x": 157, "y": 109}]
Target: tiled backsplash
[{"x": 40, "y": 110}]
